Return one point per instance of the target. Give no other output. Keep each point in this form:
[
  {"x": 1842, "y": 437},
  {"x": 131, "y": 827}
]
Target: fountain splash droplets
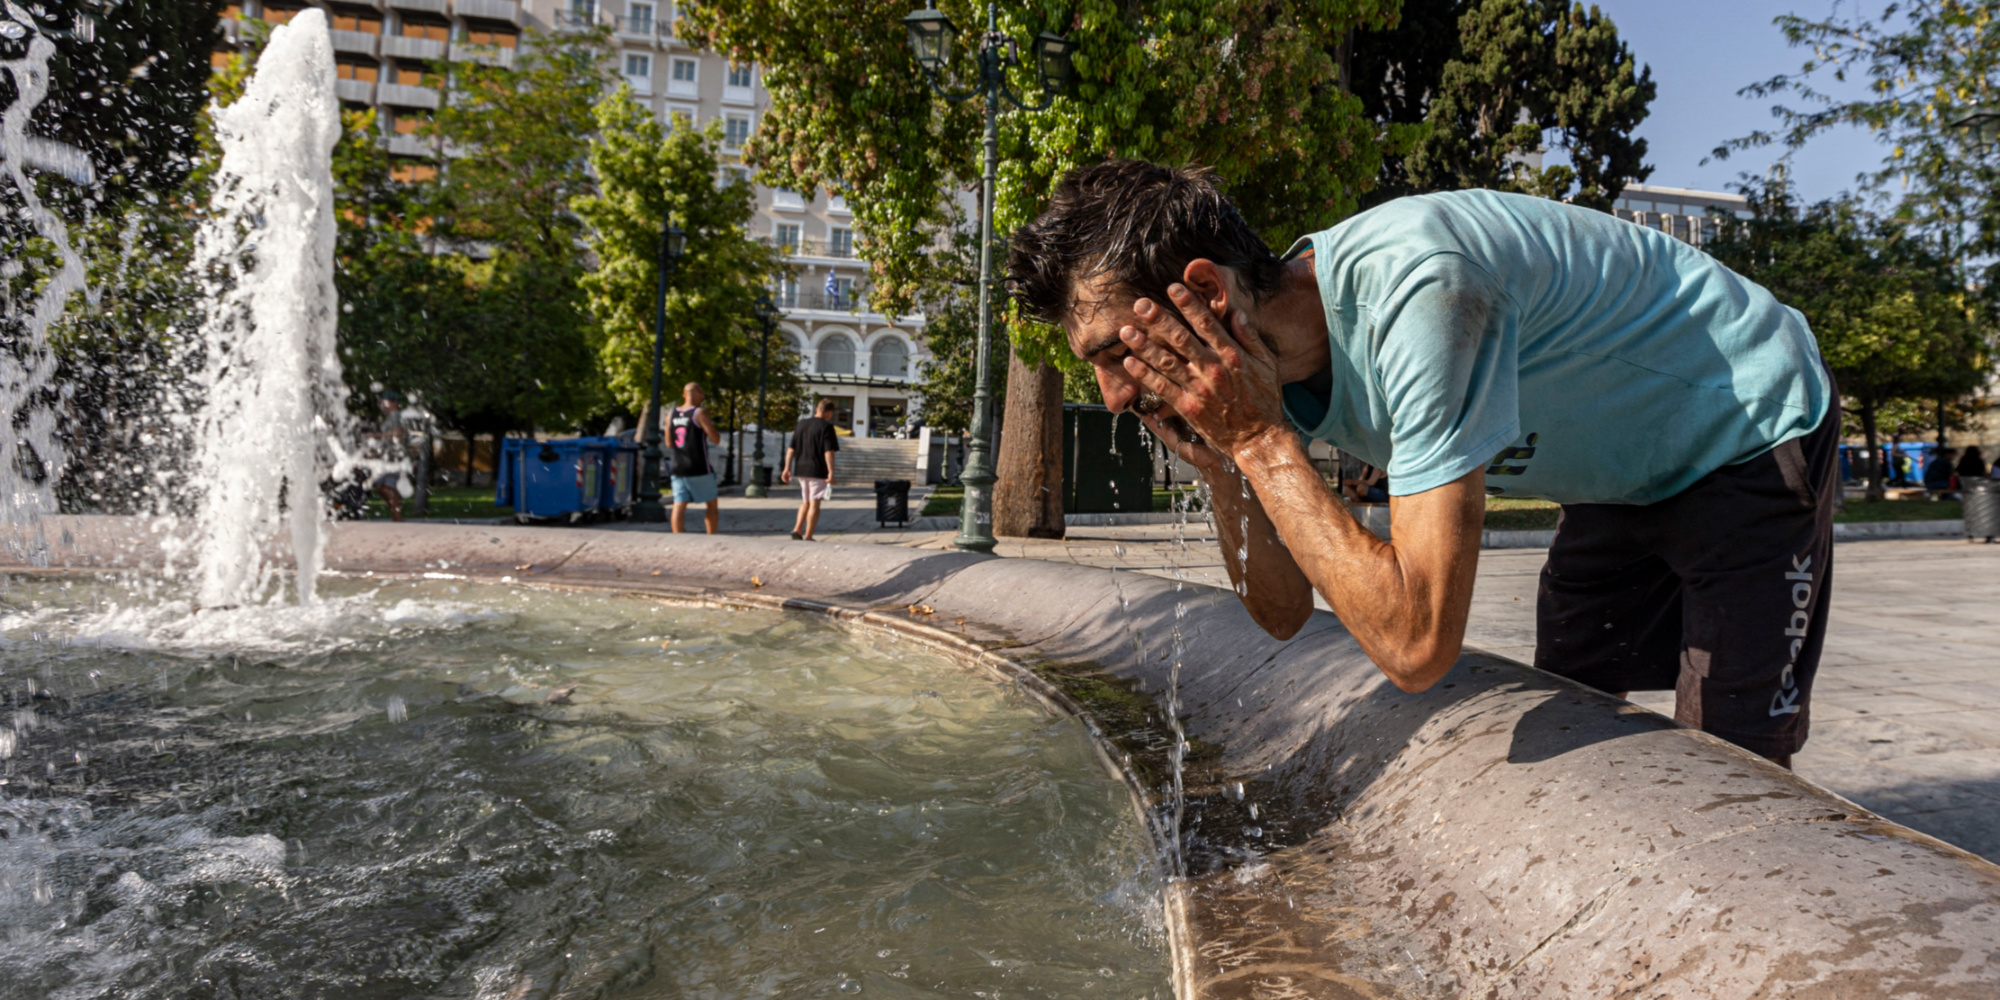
[
  {"x": 269, "y": 430},
  {"x": 33, "y": 459}
]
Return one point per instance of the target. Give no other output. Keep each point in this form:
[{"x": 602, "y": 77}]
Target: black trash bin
[
  {"x": 892, "y": 502},
  {"x": 1982, "y": 508}
]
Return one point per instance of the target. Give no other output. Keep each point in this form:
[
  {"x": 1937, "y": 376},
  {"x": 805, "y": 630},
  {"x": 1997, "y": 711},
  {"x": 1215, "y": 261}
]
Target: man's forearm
[
  {"x": 1406, "y": 602},
  {"x": 1274, "y": 591}
]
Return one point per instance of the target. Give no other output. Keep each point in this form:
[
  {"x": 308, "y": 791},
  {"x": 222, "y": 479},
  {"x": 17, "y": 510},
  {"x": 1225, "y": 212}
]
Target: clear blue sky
[{"x": 1701, "y": 53}]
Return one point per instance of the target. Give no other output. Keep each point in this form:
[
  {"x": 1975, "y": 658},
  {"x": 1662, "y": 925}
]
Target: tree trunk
[
  {"x": 1868, "y": 435},
  {"x": 1027, "y": 500}
]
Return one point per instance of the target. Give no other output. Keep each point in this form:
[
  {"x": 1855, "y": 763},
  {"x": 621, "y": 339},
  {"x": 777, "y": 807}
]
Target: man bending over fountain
[{"x": 1475, "y": 343}]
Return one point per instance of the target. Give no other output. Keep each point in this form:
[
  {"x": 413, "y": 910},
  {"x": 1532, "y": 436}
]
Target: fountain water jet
[
  {"x": 33, "y": 458},
  {"x": 270, "y": 428}
]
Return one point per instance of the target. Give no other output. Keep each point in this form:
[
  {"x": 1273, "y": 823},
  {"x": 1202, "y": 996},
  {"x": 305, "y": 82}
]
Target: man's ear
[{"x": 1206, "y": 280}]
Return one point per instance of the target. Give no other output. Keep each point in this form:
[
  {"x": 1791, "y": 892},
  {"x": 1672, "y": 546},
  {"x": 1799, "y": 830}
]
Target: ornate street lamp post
[
  {"x": 931, "y": 36},
  {"x": 760, "y": 477},
  {"x": 649, "y": 509}
]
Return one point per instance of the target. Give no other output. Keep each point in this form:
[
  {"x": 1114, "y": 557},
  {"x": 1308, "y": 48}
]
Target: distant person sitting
[
  {"x": 689, "y": 433},
  {"x": 809, "y": 458},
  {"x": 1940, "y": 475},
  {"x": 1971, "y": 465},
  {"x": 1362, "y": 483}
]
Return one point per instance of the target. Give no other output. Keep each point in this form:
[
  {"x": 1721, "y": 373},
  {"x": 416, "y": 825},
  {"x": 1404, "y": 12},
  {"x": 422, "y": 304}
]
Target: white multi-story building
[
  {"x": 1683, "y": 213},
  {"x": 865, "y": 361}
]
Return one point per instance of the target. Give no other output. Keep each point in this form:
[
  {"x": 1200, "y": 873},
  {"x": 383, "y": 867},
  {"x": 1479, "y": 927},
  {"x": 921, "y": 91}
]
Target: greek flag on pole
[{"x": 832, "y": 284}]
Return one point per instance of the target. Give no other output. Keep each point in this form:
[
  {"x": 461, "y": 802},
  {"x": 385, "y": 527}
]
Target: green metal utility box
[{"x": 1107, "y": 462}]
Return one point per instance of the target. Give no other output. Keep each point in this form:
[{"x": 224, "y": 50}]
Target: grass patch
[
  {"x": 463, "y": 503},
  {"x": 1900, "y": 510},
  {"x": 1520, "y": 514}
]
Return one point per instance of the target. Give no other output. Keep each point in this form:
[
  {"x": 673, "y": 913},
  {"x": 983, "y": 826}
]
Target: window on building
[
  {"x": 358, "y": 71},
  {"x": 734, "y": 174},
  {"x": 836, "y": 355},
  {"x": 843, "y": 294},
  {"x": 408, "y": 122},
  {"x": 788, "y": 293},
  {"x": 357, "y": 22},
  {"x": 684, "y": 70},
  {"x": 735, "y": 131},
  {"x": 639, "y": 18},
  {"x": 739, "y": 75},
  {"x": 583, "y": 10},
  {"x": 786, "y": 235},
  {"x": 839, "y": 241},
  {"x": 638, "y": 65},
  {"x": 787, "y": 199},
  {"x": 890, "y": 357},
  {"x": 413, "y": 77},
  {"x": 419, "y": 29}
]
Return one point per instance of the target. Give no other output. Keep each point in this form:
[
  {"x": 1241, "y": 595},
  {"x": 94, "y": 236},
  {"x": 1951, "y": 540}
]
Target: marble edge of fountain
[{"x": 1505, "y": 834}]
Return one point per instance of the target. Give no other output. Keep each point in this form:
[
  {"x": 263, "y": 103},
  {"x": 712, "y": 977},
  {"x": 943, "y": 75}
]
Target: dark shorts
[{"x": 1718, "y": 593}]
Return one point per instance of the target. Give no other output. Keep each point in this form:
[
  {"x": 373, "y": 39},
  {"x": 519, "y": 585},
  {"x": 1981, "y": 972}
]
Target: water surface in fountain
[{"x": 387, "y": 793}]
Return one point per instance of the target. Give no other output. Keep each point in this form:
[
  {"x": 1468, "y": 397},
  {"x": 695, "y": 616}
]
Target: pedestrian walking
[
  {"x": 689, "y": 433},
  {"x": 809, "y": 459}
]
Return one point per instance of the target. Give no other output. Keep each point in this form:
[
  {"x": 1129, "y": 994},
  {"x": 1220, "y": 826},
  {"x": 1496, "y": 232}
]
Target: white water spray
[
  {"x": 31, "y": 460},
  {"x": 270, "y": 428}
]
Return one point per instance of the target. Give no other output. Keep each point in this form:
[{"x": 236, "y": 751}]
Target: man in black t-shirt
[{"x": 809, "y": 458}]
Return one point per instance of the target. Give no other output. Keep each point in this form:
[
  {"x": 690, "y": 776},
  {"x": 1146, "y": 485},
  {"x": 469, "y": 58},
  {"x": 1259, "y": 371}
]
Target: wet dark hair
[{"x": 1139, "y": 223}]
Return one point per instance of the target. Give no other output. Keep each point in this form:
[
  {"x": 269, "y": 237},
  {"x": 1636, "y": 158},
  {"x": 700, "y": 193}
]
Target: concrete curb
[{"x": 1506, "y": 834}]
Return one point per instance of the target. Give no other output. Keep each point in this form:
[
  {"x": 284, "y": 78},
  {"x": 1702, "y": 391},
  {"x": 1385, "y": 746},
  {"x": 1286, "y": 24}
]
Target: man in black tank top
[{"x": 689, "y": 433}]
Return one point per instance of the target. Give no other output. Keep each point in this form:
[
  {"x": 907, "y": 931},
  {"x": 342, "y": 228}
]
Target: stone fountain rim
[{"x": 1321, "y": 711}]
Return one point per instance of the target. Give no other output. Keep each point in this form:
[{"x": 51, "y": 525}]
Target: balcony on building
[
  {"x": 482, "y": 45},
  {"x": 787, "y": 200},
  {"x": 355, "y": 91},
  {"x": 407, "y": 95},
  {"x": 407, "y": 144},
  {"x": 418, "y": 41},
  {"x": 426, "y": 6},
  {"x": 578, "y": 15},
  {"x": 508, "y": 11},
  {"x": 814, "y": 249},
  {"x": 357, "y": 43}
]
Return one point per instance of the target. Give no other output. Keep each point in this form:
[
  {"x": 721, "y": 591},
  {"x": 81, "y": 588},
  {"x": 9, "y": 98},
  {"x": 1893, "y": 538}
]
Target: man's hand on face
[{"x": 1224, "y": 385}]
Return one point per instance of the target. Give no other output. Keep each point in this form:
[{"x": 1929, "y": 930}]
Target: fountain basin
[{"x": 1505, "y": 834}]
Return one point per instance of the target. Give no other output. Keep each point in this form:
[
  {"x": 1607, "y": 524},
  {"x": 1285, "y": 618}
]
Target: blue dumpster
[{"x": 568, "y": 479}]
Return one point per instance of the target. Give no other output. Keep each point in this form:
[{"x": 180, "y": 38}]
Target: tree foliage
[
  {"x": 646, "y": 175},
  {"x": 465, "y": 289},
  {"x": 1926, "y": 64},
  {"x": 1494, "y": 80},
  {"x": 1247, "y": 87},
  {"x": 1893, "y": 321}
]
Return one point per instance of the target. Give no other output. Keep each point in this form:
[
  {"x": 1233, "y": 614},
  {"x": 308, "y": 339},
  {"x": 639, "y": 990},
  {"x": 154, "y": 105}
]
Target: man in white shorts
[{"x": 809, "y": 458}]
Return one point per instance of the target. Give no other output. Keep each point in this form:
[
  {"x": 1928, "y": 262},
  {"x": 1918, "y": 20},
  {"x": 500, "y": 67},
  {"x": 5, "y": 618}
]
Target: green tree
[
  {"x": 1892, "y": 319},
  {"x": 1247, "y": 87},
  {"x": 515, "y": 346},
  {"x": 1926, "y": 63},
  {"x": 1523, "y": 70},
  {"x": 647, "y": 174}
]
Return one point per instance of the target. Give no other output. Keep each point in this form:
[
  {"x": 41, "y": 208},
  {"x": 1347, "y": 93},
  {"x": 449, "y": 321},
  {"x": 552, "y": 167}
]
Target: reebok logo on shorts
[{"x": 1786, "y": 701}]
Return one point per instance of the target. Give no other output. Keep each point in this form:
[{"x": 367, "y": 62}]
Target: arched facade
[
  {"x": 889, "y": 357},
  {"x": 834, "y": 354}
]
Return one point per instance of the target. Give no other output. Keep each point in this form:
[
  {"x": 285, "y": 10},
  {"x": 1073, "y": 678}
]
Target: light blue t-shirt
[{"x": 1576, "y": 356}]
